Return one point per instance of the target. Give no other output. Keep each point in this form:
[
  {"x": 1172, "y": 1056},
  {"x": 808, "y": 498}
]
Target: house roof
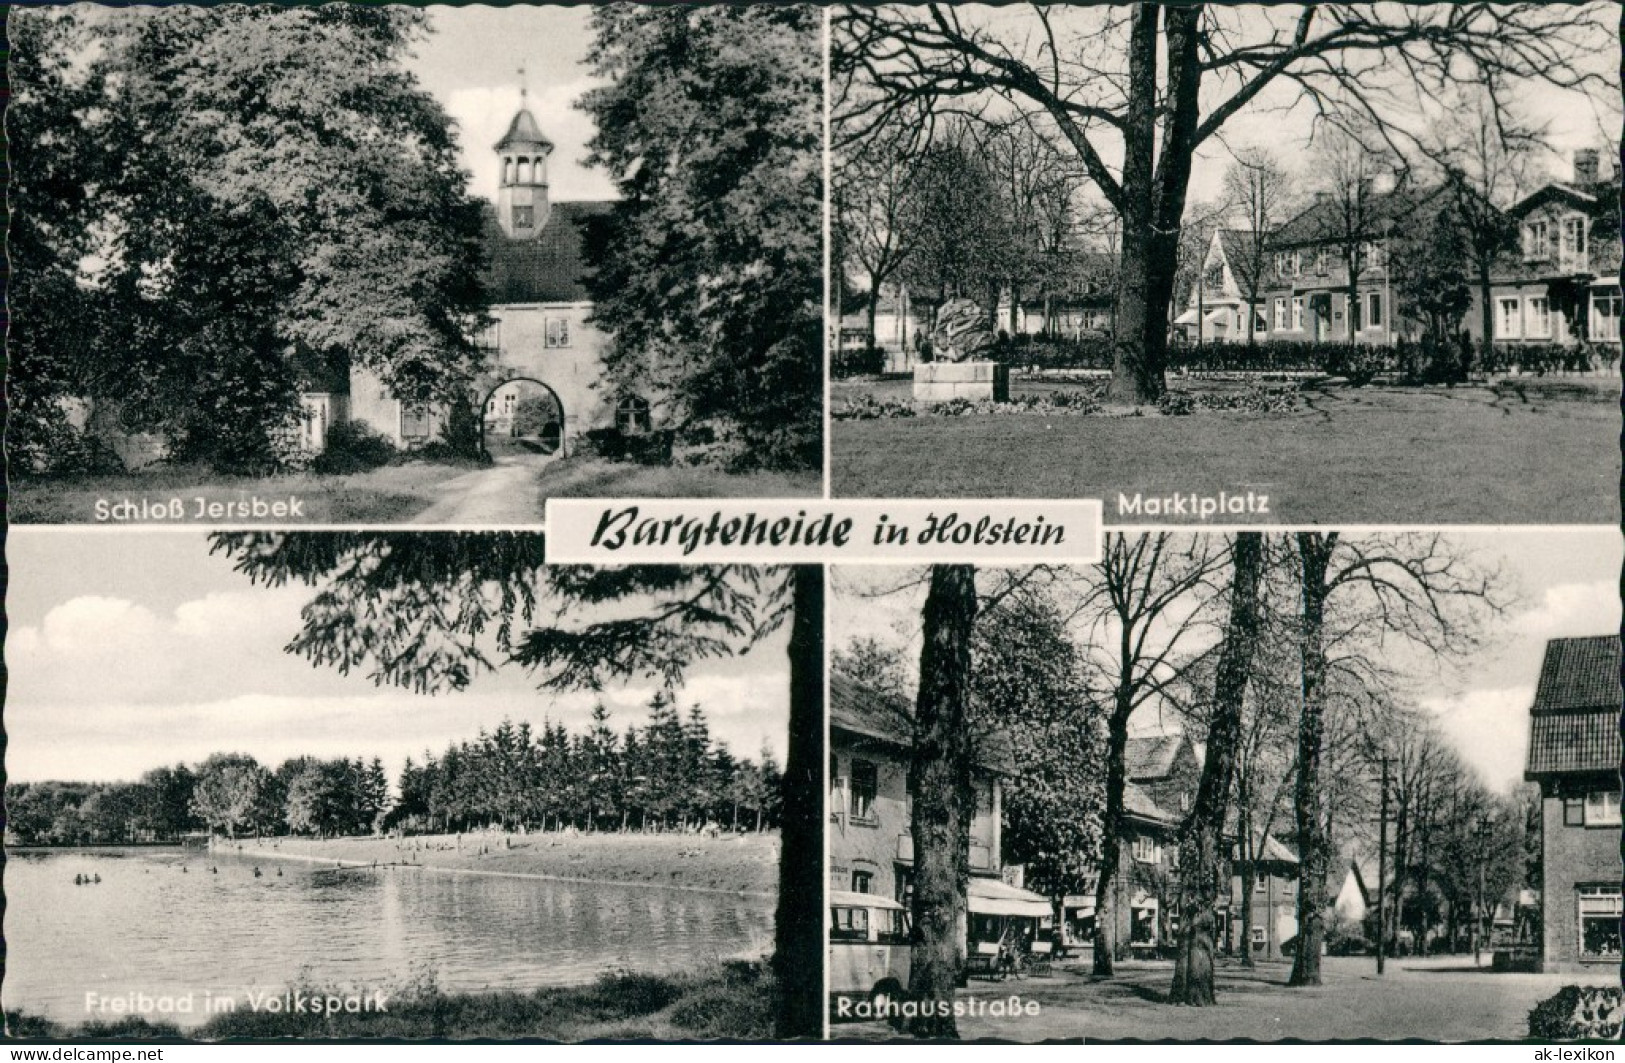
[
  {"x": 1151, "y": 756},
  {"x": 1136, "y": 802},
  {"x": 1237, "y": 244},
  {"x": 1317, "y": 223},
  {"x": 1574, "y": 721},
  {"x": 523, "y": 132},
  {"x": 549, "y": 267},
  {"x": 867, "y": 713}
]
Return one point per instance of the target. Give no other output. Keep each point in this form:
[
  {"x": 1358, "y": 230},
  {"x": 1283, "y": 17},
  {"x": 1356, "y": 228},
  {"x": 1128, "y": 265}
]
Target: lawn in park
[
  {"x": 1521, "y": 450},
  {"x": 588, "y": 477},
  {"x": 1443, "y": 998}
]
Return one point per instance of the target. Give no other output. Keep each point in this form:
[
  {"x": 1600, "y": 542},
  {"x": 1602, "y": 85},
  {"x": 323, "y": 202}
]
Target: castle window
[
  {"x": 558, "y": 332},
  {"x": 632, "y": 416},
  {"x": 524, "y": 218},
  {"x": 414, "y": 422},
  {"x": 507, "y": 171},
  {"x": 524, "y": 171}
]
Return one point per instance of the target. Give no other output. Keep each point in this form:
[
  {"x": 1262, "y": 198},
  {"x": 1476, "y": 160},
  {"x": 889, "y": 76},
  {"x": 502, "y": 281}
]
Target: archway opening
[{"x": 522, "y": 417}]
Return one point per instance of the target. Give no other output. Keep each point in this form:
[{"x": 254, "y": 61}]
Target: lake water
[{"x": 149, "y": 927}]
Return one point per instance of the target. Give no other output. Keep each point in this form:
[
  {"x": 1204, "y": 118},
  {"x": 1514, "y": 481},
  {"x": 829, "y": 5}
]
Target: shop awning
[
  {"x": 989, "y": 896},
  {"x": 1187, "y": 318}
]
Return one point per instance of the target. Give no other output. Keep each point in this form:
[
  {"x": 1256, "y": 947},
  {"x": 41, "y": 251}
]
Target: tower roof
[{"x": 523, "y": 132}]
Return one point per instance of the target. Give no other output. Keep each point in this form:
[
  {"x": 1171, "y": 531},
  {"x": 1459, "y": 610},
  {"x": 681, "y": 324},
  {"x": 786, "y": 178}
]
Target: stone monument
[{"x": 962, "y": 346}]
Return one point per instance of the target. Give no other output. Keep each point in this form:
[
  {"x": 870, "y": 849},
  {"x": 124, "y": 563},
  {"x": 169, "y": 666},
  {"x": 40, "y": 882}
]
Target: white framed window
[
  {"x": 1535, "y": 236},
  {"x": 414, "y": 422},
  {"x": 1260, "y": 322},
  {"x": 1280, "y": 315},
  {"x": 524, "y": 217},
  {"x": 1574, "y": 240},
  {"x": 558, "y": 332},
  {"x": 1320, "y": 261},
  {"x": 1297, "y": 263},
  {"x": 1297, "y": 313},
  {"x": 865, "y": 787},
  {"x": 1508, "y": 318},
  {"x": 1283, "y": 264},
  {"x": 1599, "y": 910},
  {"x": 1373, "y": 310},
  {"x": 1537, "y": 320},
  {"x": 1605, "y": 312},
  {"x": 1602, "y": 809},
  {"x": 1145, "y": 849},
  {"x": 862, "y": 880}
]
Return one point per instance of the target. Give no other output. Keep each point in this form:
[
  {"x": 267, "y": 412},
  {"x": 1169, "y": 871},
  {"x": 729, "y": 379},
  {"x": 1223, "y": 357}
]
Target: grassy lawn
[
  {"x": 1434, "y": 999},
  {"x": 597, "y": 478},
  {"x": 734, "y": 1000},
  {"x": 386, "y": 495},
  {"x": 1525, "y": 451}
]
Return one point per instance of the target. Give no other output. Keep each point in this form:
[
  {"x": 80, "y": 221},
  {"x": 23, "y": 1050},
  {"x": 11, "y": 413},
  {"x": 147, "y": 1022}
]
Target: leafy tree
[
  {"x": 709, "y": 272},
  {"x": 1432, "y": 286},
  {"x": 228, "y": 791},
  {"x": 428, "y": 612},
  {"x": 275, "y": 200},
  {"x": 1035, "y": 710},
  {"x": 962, "y": 235},
  {"x": 874, "y": 664}
]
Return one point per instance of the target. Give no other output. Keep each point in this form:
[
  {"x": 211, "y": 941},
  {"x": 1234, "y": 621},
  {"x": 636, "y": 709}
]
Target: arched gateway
[{"x": 522, "y": 416}]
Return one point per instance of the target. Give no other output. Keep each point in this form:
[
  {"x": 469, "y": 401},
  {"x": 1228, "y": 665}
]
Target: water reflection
[{"x": 174, "y": 924}]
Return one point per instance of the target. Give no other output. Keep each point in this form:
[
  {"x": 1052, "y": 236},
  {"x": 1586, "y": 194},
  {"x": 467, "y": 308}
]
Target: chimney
[{"x": 1585, "y": 167}]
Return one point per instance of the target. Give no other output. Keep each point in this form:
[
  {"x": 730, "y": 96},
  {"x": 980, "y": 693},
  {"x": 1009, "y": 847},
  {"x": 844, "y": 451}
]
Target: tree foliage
[
  {"x": 709, "y": 271},
  {"x": 270, "y": 199}
]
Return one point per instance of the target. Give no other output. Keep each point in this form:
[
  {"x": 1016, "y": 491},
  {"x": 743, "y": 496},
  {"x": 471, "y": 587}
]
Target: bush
[
  {"x": 1577, "y": 1012},
  {"x": 869, "y": 408},
  {"x": 645, "y": 448},
  {"x": 863, "y": 361},
  {"x": 353, "y": 447},
  {"x": 1176, "y": 404}
]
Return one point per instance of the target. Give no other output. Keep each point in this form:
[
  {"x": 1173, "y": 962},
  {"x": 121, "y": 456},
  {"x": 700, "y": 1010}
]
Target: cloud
[
  {"x": 1570, "y": 609},
  {"x": 1489, "y": 728}
]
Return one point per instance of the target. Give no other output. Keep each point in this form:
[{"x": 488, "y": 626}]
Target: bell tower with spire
[{"x": 522, "y": 205}]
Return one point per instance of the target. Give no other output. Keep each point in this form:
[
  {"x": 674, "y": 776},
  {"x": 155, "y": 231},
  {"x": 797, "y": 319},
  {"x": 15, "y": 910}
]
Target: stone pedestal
[{"x": 974, "y": 381}]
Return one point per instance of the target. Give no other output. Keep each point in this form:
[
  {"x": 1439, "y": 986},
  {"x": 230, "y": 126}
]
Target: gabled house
[
  {"x": 1560, "y": 284},
  {"x": 1574, "y": 754},
  {"x": 1219, "y": 300},
  {"x": 1306, "y": 295},
  {"x": 871, "y": 843}
]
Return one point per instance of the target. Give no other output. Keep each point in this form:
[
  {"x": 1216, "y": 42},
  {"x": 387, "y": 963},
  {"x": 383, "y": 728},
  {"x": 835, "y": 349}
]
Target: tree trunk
[
  {"x": 874, "y": 314},
  {"x": 1314, "y": 556},
  {"x": 1152, "y": 202},
  {"x": 1202, "y": 847},
  {"x": 1111, "y": 841},
  {"x": 939, "y": 780},
  {"x": 798, "y": 955},
  {"x": 1486, "y": 314}
]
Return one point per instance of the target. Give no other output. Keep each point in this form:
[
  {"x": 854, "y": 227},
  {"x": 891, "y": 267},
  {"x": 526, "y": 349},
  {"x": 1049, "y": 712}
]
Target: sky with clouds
[
  {"x": 1557, "y": 582},
  {"x": 133, "y": 649}
]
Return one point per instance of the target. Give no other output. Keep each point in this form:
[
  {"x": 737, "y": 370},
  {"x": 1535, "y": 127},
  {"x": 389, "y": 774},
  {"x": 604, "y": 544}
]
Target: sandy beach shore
[{"x": 743, "y": 863}]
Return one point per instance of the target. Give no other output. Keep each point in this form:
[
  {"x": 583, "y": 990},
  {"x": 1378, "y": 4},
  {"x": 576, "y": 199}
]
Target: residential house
[
  {"x": 1218, "y": 303},
  {"x": 1272, "y": 904},
  {"x": 1574, "y": 754},
  {"x": 1306, "y": 290},
  {"x": 871, "y": 843},
  {"x": 1560, "y": 285}
]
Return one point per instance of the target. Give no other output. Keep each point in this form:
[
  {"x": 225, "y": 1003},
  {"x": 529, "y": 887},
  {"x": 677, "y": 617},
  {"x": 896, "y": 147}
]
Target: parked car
[{"x": 868, "y": 952}]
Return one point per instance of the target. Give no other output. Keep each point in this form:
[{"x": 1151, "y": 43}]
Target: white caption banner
[{"x": 812, "y": 531}]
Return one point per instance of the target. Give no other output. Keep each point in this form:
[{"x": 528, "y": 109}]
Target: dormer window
[
  {"x": 524, "y": 217},
  {"x": 1574, "y": 242},
  {"x": 1535, "y": 236}
]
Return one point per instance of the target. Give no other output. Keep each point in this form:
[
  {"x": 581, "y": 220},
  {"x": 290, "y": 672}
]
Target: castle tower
[{"x": 522, "y": 189}]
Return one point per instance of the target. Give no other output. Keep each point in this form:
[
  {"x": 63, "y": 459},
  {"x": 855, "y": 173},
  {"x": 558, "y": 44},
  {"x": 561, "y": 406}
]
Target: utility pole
[{"x": 1382, "y": 860}]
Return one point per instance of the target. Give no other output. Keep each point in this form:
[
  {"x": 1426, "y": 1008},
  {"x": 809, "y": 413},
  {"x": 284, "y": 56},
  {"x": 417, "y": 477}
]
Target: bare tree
[
  {"x": 1259, "y": 191},
  {"x": 1141, "y": 608},
  {"x": 872, "y": 191},
  {"x": 1134, "y": 91},
  {"x": 1203, "y": 863},
  {"x": 1486, "y": 155},
  {"x": 1352, "y": 213},
  {"x": 1360, "y": 598}
]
